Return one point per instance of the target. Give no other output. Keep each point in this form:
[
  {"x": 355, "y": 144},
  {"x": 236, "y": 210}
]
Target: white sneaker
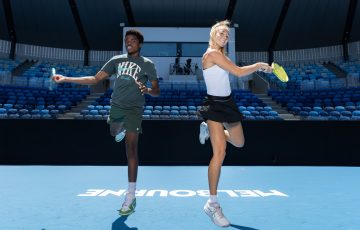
[
  {"x": 129, "y": 205},
  {"x": 120, "y": 136},
  {"x": 204, "y": 132},
  {"x": 216, "y": 215}
]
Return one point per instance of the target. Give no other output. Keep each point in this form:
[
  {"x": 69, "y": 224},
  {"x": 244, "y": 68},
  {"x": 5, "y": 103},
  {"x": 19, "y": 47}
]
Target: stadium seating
[{"x": 325, "y": 104}]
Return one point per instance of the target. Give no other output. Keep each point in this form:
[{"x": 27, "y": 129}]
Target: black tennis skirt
[{"x": 220, "y": 109}]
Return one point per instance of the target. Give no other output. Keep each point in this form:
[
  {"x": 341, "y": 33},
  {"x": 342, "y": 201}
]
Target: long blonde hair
[{"x": 224, "y": 23}]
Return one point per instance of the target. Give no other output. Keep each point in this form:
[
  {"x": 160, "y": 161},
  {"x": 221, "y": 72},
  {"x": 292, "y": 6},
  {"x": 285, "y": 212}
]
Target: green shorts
[{"x": 131, "y": 117}]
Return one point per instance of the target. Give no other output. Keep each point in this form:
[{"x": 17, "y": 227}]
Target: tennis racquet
[{"x": 280, "y": 72}]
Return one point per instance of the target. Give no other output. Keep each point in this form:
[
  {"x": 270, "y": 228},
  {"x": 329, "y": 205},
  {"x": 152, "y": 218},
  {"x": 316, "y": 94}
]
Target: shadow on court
[
  {"x": 242, "y": 227},
  {"x": 119, "y": 224}
]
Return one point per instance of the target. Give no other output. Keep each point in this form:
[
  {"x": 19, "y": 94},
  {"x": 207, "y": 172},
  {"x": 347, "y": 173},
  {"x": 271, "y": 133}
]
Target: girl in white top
[{"x": 219, "y": 110}]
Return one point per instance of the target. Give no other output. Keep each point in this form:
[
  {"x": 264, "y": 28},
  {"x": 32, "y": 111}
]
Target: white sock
[
  {"x": 213, "y": 199},
  {"x": 132, "y": 187}
]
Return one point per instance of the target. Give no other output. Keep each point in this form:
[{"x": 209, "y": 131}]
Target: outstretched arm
[
  {"x": 89, "y": 80},
  {"x": 219, "y": 59}
]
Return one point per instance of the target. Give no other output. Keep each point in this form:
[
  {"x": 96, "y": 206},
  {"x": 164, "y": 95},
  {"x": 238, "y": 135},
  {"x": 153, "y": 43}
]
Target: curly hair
[{"x": 137, "y": 34}]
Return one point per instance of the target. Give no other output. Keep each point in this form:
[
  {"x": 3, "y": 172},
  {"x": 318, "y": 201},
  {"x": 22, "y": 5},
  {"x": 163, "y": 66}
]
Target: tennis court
[{"x": 172, "y": 197}]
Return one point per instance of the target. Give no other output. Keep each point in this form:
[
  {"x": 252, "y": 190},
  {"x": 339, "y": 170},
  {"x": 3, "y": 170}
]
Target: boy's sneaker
[
  {"x": 216, "y": 215},
  {"x": 129, "y": 205},
  {"x": 204, "y": 132},
  {"x": 120, "y": 136}
]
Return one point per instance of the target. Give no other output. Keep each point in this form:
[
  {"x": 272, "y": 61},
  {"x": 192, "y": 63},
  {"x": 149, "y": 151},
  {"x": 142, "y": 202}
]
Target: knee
[
  {"x": 113, "y": 132},
  {"x": 238, "y": 144},
  {"x": 219, "y": 154},
  {"x": 115, "y": 129}
]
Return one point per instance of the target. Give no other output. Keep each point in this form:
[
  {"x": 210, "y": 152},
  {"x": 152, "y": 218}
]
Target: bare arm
[
  {"x": 217, "y": 58},
  {"x": 89, "y": 80}
]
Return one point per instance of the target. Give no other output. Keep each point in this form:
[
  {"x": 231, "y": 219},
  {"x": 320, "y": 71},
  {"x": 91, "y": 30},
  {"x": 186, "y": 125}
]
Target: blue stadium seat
[
  {"x": 295, "y": 110},
  {"x": 8, "y": 106},
  {"x": 255, "y": 113},
  {"x": 149, "y": 107},
  {"x": 14, "y": 116},
  {"x": 183, "y": 112},
  {"x": 356, "y": 113},
  {"x": 313, "y": 114},
  {"x": 339, "y": 108},
  {"x": 335, "y": 114},
  {"x": 103, "y": 112},
  {"x": 264, "y": 113},
  {"x": 90, "y": 107},
  {"x": 89, "y": 117},
  {"x": 346, "y": 113},
  {"x": 323, "y": 113},
  {"x": 355, "y": 118},
  {"x": 259, "y": 117},
  {"x": 183, "y": 107},
  {"x": 250, "y": 117},
  {"x": 94, "y": 112},
  {"x": 350, "y": 108},
  {"x": 303, "y": 114},
  {"x": 273, "y": 113},
  {"x": 242, "y": 108},
  {"x": 158, "y": 107},
  {"x": 98, "y": 117},
  {"x": 344, "y": 118},
  {"x": 12, "y": 111},
  {"x": 165, "y": 112},
  {"x": 250, "y": 108},
  {"x": 174, "y": 112},
  {"x": 192, "y": 112},
  {"x": 317, "y": 109},
  {"x": 147, "y": 112},
  {"x": 99, "y": 107},
  {"x": 329, "y": 109},
  {"x": 46, "y": 116},
  {"x": 306, "y": 108},
  {"x": 246, "y": 113}
]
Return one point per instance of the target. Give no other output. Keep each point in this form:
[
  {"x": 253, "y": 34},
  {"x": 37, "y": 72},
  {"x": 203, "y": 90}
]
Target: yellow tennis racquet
[{"x": 279, "y": 72}]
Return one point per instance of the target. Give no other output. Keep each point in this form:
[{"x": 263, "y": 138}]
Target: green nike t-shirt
[{"x": 126, "y": 70}]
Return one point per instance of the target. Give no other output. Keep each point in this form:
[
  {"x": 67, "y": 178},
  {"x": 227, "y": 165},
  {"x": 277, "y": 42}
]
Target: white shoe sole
[
  {"x": 120, "y": 136},
  {"x": 213, "y": 220},
  {"x": 203, "y": 134}
]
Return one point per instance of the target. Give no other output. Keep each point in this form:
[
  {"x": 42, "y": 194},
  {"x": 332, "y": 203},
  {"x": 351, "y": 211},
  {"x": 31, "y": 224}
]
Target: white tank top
[{"x": 217, "y": 81}]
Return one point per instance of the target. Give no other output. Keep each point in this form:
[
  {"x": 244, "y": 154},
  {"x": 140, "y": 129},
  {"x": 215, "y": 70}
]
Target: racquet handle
[{"x": 53, "y": 71}]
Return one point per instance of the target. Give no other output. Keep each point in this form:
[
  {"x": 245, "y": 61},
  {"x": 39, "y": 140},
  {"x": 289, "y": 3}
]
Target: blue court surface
[{"x": 172, "y": 197}]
